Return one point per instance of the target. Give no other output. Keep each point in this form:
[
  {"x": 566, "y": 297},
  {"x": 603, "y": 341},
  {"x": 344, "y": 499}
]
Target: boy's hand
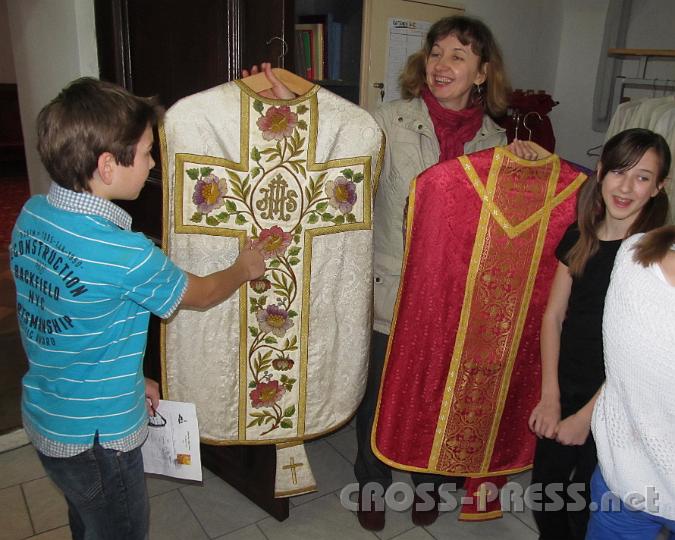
[
  {"x": 151, "y": 395},
  {"x": 573, "y": 430},
  {"x": 545, "y": 418},
  {"x": 251, "y": 262},
  {"x": 278, "y": 90}
]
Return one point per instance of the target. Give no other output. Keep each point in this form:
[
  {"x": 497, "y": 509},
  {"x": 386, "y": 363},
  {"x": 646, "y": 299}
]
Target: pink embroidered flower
[
  {"x": 274, "y": 241},
  {"x": 274, "y": 319},
  {"x": 266, "y": 394},
  {"x": 277, "y": 123},
  {"x": 341, "y": 194},
  {"x": 209, "y": 193},
  {"x": 283, "y": 363},
  {"x": 260, "y": 285}
]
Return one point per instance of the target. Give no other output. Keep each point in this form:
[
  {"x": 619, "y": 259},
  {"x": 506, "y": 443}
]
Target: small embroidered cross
[{"x": 293, "y": 466}]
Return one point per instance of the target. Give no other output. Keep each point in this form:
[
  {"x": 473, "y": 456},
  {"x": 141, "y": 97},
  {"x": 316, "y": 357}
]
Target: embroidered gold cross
[{"x": 293, "y": 466}]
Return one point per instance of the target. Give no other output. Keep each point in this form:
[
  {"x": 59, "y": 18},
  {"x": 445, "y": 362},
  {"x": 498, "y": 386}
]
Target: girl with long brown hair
[{"x": 625, "y": 197}]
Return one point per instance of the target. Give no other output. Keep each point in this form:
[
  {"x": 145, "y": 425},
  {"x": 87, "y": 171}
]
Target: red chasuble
[{"x": 462, "y": 372}]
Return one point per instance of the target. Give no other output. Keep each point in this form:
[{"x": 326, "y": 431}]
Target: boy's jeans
[{"x": 106, "y": 493}]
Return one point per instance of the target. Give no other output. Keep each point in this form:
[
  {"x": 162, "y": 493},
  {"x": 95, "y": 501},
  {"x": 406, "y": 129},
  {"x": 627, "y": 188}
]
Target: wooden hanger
[
  {"x": 542, "y": 153},
  {"x": 293, "y": 82}
]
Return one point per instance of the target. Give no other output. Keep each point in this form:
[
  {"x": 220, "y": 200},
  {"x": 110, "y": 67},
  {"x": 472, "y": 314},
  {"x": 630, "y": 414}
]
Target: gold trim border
[
  {"x": 485, "y": 516},
  {"x": 292, "y": 492},
  {"x": 522, "y": 315},
  {"x": 164, "y": 157},
  {"x": 467, "y": 301},
  {"x": 274, "y": 101},
  {"x": 369, "y": 185},
  {"x": 406, "y": 250},
  {"x": 557, "y": 200}
]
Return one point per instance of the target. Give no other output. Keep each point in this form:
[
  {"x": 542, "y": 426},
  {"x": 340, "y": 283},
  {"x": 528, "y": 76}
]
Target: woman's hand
[
  {"x": 524, "y": 150},
  {"x": 278, "y": 90},
  {"x": 544, "y": 418}
]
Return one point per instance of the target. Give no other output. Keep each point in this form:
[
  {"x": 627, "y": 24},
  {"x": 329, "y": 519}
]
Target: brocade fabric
[
  {"x": 285, "y": 358},
  {"x": 462, "y": 372}
]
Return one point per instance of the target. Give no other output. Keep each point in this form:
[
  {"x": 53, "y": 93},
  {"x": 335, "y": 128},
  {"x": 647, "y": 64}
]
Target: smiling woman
[
  {"x": 452, "y": 71},
  {"x": 449, "y": 89}
]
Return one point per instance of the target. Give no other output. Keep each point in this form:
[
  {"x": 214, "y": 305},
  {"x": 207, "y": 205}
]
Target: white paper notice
[
  {"x": 405, "y": 38},
  {"x": 172, "y": 446}
]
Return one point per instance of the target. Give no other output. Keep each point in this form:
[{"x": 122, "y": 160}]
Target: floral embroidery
[
  {"x": 277, "y": 123},
  {"x": 209, "y": 192},
  {"x": 274, "y": 242},
  {"x": 274, "y": 319},
  {"x": 277, "y": 188},
  {"x": 260, "y": 285},
  {"x": 341, "y": 194},
  {"x": 266, "y": 394},
  {"x": 283, "y": 363}
]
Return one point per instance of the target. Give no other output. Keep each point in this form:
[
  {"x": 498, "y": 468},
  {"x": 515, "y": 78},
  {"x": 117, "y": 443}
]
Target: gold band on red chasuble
[{"x": 467, "y": 413}]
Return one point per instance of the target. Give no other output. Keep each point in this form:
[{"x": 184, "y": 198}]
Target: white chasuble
[{"x": 285, "y": 358}]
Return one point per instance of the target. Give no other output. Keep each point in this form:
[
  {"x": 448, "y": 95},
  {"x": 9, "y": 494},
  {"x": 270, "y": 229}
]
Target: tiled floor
[{"x": 33, "y": 508}]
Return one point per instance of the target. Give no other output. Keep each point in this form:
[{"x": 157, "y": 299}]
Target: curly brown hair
[{"x": 469, "y": 31}]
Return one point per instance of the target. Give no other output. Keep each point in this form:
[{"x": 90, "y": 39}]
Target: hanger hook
[
  {"x": 529, "y": 130},
  {"x": 284, "y": 48}
]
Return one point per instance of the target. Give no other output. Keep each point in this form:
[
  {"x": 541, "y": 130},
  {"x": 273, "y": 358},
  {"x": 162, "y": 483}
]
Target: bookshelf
[{"x": 331, "y": 30}]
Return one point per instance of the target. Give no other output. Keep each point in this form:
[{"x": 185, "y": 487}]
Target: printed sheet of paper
[
  {"x": 172, "y": 446},
  {"x": 405, "y": 38}
]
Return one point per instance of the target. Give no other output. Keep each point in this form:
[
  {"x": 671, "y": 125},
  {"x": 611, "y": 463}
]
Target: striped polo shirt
[{"x": 86, "y": 286}]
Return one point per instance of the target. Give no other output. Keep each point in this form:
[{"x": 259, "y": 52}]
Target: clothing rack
[{"x": 640, "y": 80}]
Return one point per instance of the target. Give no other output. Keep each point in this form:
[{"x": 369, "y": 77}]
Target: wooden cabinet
[{"x": 348, "y": 14}]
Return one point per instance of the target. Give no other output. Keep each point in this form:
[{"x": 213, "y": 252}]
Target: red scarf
[{"x": 453, "y": 128}]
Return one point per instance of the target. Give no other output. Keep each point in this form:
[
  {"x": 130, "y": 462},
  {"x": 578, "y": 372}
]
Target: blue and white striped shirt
[{"x": 86, "y": 286}]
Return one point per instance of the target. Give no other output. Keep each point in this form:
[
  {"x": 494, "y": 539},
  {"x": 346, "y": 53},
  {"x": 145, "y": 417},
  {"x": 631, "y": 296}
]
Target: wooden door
[{"x": 377, "y": 44}]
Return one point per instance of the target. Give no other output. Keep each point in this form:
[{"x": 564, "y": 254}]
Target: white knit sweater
[{"x": 634, "y": 417}]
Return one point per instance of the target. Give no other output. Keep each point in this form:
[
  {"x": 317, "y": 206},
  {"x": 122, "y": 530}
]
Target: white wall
[
  {"x": 583, "y": 23},
  {"x": 528, "y": 32},
  {"x": 7, "y": 73},
  {"x": 651, "y": 27},
  {"x": 53, "y": 43},
  {"x": 553, "y": 46}
]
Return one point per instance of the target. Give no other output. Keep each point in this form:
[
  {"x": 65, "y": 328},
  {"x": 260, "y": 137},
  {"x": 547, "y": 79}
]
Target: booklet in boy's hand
[{"x": 172, "y": 446}]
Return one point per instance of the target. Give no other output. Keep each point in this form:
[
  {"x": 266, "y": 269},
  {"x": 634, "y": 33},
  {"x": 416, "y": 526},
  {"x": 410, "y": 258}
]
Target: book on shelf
[
  {"x": 334, "y": 50},
  {"x": 299, "y": 55},
  {"x": 315, "y": 32},
  {"x": 332, "y": 43},
  {"x": 304, "y": 63},
  {"x": 323, "y": 21}
]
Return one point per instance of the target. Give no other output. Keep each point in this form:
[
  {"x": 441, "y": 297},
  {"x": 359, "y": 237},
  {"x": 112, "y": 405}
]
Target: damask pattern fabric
[
  {"x": 462, "y": 371},
  {"x": 285, "y": 358}
]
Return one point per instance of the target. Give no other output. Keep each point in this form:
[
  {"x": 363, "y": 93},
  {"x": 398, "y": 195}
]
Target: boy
[{"x": 86, "y": 286}]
